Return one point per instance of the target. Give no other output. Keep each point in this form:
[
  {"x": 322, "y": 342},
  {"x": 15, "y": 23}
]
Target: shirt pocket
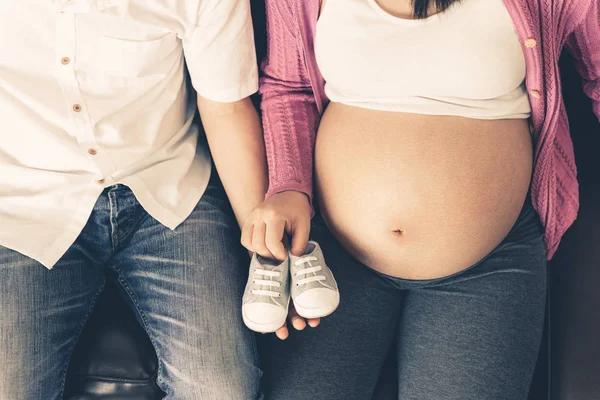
[
  {"x": 117, "y": 47},
  {"x": 84, "y": 6}
]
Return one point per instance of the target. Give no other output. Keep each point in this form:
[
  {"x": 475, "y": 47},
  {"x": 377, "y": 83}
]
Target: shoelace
[
  {"x": 263, "y": 282},
  {"x": 309, "y": 270}
]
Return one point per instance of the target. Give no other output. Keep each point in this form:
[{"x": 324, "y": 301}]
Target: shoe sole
[
  {"x": 320, "y": 312},
  {"x": 264, "y": 328}
]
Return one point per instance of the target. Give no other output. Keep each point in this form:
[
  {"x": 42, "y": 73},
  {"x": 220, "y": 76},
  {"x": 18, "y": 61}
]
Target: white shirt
[
  {"x": 466, "y": 61},
  {"x": 93, "y": 93}
]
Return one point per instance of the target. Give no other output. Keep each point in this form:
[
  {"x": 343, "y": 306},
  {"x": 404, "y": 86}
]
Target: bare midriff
[{"x": 420, "y": 196}]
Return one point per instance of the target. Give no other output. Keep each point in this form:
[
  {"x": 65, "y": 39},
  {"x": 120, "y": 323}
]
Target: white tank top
[{"x": 466, "y": 61}]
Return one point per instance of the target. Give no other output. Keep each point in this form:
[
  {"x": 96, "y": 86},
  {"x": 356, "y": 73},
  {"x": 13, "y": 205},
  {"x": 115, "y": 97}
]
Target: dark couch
[{"x": 114, "y": 359}]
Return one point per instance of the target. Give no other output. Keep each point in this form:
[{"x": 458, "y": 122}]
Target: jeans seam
[
  {"x": 114, "y": 223},
  {"x": 123, "y": 283},
  {"x": 136, "y": 222},
  {"x": 117, "y": 380},
  {"x": 78, "y": 335}
]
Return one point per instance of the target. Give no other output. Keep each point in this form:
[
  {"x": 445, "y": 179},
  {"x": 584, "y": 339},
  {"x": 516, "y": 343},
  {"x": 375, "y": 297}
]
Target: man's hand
[{"x": 264, "y": 230}]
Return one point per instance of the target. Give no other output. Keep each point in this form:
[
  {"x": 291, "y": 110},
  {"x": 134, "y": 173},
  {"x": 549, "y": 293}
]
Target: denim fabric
[
  {"x": 474, "y": 335},
  {"x": 184, "y": 285}
]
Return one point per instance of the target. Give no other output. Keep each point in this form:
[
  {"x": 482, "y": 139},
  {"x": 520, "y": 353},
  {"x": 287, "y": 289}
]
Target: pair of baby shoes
[{"x": 306, "y": 280}]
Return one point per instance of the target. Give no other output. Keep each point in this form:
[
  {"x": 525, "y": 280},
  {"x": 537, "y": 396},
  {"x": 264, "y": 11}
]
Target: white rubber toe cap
[
  {"x": 264, "y": 317},
  {"x": 316, "y": 303}
]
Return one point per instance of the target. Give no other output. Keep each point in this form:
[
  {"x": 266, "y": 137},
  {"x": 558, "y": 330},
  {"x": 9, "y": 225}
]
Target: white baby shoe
[
  {"x": 267, "y": 295},
  {"x": 314, "y": 289}
]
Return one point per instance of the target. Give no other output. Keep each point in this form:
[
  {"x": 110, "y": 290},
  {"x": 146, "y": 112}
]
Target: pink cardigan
[{"x": 293, "y": 97}]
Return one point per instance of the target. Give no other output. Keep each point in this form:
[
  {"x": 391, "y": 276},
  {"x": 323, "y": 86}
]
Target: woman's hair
[{"x": 421, "y": 7}]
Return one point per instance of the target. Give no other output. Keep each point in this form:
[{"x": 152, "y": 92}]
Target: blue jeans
[
  {"x": 185, "y": 286},
  {"x": 474, "y": 335}
]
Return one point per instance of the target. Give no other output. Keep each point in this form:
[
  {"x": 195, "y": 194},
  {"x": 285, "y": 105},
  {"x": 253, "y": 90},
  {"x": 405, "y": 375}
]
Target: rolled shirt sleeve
[{"x": 220, "y": 51}]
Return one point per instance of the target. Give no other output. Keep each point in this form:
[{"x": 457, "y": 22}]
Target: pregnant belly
[{"x": 420, "y": 196}]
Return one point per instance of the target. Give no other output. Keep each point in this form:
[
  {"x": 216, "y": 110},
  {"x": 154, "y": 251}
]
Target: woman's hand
[
  {"x": 265, "y": 228},
  {"x": 297, "y": 322},
  {"x": 264, "y": 233}
]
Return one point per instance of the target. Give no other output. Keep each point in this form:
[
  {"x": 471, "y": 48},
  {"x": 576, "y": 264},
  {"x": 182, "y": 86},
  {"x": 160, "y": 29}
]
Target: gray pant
[
  {"x": 185, "y": 285},
  {"x": 474, "y": 335}
]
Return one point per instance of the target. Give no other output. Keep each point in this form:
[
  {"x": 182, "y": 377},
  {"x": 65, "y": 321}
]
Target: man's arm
[
  {"x": 236, "y": 142},
  {"x": 221, "y": 59}
]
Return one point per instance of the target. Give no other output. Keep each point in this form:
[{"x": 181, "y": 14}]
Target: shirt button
[
  {"x": 65, "y": 60},
  {"x": 535, "y": 94},
  {"x": 92, "y": 152},
  {"x": 100, "y": 181},
  {"x": 530, "y": 43},
  {"x": 77, "y": 107}
]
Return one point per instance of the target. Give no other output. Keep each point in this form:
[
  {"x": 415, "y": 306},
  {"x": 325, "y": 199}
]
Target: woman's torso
[{"x": 410, "y": 193}]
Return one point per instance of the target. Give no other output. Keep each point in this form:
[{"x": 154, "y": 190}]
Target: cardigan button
[
  {"x": 535, "y": 94},
  {"x": 530, "y": 43}
]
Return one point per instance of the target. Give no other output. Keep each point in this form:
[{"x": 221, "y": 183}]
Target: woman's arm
[
  {"x": 290, "y": 115},
  {"x": 290, "y": 119},
  {"x": 584, "y": 44}
]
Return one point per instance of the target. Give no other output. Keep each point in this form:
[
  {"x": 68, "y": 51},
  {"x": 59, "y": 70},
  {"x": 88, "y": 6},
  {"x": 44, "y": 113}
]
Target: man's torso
[{"x": 93, "y": 93}]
